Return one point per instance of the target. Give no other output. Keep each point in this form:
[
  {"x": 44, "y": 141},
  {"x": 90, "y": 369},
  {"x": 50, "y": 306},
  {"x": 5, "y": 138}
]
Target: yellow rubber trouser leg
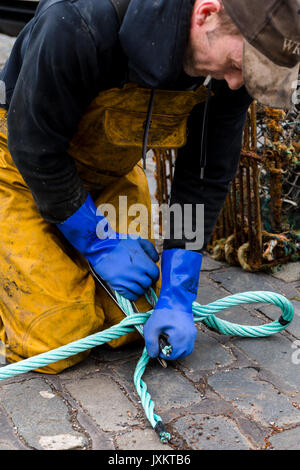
[{"x": 47, "y": 295}]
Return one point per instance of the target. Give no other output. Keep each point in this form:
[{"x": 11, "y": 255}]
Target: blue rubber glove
[
  {"x": 125, "y": 262},
  {"x": 173, "y": 312}
]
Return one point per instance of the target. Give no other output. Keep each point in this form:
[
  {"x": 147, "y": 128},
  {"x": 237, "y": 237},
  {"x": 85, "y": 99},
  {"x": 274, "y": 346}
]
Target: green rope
[{"x": 202, "y": 313}]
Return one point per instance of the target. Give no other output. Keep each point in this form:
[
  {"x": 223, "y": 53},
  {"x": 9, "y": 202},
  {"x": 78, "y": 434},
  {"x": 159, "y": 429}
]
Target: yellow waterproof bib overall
[{"x": 48, "y": 297}]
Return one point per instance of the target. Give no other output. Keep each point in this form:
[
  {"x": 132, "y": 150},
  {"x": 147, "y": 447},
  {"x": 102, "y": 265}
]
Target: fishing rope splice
[{"x": 202, "y": 313}]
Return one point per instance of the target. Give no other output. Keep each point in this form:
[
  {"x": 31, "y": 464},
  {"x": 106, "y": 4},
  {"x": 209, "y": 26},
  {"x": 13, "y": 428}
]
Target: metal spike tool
[{"x": 163, "y": 339}]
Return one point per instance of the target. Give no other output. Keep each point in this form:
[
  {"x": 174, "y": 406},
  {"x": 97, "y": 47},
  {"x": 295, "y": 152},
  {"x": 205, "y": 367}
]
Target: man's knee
[{"x": 56, "y": 327}]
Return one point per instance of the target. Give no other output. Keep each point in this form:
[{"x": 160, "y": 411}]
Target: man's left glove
[{"x": 172, "y": 315}]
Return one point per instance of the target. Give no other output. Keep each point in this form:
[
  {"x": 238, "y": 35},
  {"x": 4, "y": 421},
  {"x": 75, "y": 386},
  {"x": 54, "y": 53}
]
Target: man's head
[
  {"x": 256, "y": 43},
  {"x": 215, "y": 44}
]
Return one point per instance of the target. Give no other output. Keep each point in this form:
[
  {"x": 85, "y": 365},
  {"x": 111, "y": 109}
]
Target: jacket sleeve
[
  {"x": 226, "y": 120},
  {"x": 59, "y": 77}
]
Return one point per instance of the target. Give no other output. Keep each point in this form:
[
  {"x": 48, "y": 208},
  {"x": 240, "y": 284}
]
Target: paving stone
[
  {"x": 288, "y": 289},
  {"x": 61, "y": 442},
  {"x": 203, "y": 432},
  {"x": 208, "y": 355},
  {"x": 150, "y": 173},
  {"x": 274, "y": 313},
  {"x": 152, "y": 184},
  {"x": 139, "y": 439},
  {"x": 6, "y": 44},
  {"x": 208, "y": 293},
  {"x": 36, "y": 416},
  {"x": 104, "y": 401},
  {"x": 3, "y": 361},
  {"x": 240, "y": 316},
  {"x": 8, "y": 439},
  {"x": 274, "y": 354},
  {"x": 106, "y": 354},
  {"x": 236, "y": 280},
  {"x": 290, "y": 272},
  {"x": 98, "y": 440},
  {"x": 84, "y": 368},
  {"x": 286, "y": 440},
  {"x": 256, "y": 398},
  {"x": 210, "y": 264},
  {"x": 167, "y": 387},
  {"x": 237, "y": 314}
]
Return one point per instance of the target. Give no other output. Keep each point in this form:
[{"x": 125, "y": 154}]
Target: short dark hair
[
  {"x": 226, "y": 23},
  {"x": 225, "y": 26}
]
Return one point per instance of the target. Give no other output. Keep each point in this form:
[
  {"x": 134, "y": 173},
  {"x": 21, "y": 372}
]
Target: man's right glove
[
  {"x": 125, "y": 262},
  {"x": 172, "y": 315}
]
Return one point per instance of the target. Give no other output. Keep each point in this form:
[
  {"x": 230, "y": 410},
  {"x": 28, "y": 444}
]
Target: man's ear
[{"x": 204, "y": 9}]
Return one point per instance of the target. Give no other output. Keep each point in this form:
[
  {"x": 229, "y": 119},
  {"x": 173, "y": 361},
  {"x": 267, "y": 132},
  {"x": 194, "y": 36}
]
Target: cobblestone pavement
[
  {"x": 6, "y": 43},
  {"x": 231, "y": 393}
]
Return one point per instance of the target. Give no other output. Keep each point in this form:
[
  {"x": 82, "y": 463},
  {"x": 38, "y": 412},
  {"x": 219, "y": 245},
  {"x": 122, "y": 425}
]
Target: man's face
[{"x": 212, "y": 52}]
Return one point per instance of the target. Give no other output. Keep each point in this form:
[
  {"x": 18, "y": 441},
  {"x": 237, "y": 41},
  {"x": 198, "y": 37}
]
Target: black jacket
[{"x": 73, "y": 49}]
